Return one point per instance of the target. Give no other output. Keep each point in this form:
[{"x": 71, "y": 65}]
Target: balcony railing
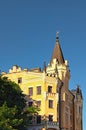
[
  {"x": 47, "y": 124},
  {"x": 52, "y": 124},
  {"x": 51, "y": 94}
]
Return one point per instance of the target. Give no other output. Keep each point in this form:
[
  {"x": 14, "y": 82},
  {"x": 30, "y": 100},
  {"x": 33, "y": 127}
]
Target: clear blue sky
[{"x": 28, "y": 31}]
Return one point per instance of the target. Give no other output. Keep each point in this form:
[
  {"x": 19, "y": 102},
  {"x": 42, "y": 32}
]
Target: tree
[
  {"x": 14, "y": 113},
  {"x": 8, "y": 120},
  {"x": 12, "y": 103},
  {"x": 11, "y": 93}
]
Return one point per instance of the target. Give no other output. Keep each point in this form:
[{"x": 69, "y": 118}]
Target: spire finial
[{"x": 57, "y": 34}]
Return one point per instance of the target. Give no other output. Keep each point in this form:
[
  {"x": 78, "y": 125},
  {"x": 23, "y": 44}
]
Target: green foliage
[
  {"x": 30, "y": 113},
  {"x": 14, "y": 114},
  {"x": 11, "y": 93},
  {"x": 33, "y": 110},
  {"x": 12, "y": 103},
  {"x": 8, "y": 120}
]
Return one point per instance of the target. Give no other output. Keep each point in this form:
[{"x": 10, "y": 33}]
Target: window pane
[
  {"x": 66, "y": 118},
  {"x": 38, "y": 103},
  {"x": 50, "y": 103},
  {"x": 19, "y": 80},
  {"x": 66, "y": 97},
  {"x": 30, "y": 103},
  {"x": 50, "y": 117},
  {"x": 49, "y": 89},
  {"x": 38, "y": 119},
  {"x": 31, "y": 91},
  {"x": 38, "y": 89}
]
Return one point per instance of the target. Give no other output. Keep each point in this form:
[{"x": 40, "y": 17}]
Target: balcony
[
  {"x": 45, "y": 124},
  {"x": 52, "y": 124},
  {"x": 51, "y": 94}
]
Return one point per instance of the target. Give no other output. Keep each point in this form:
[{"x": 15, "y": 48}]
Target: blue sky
[{"x": 28, "y": 31}]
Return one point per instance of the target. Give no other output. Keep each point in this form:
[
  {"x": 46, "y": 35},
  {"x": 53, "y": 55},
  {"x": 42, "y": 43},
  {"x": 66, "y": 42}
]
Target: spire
[
  {"x": 57, "y": 52},
  {"x": 44, "y": 67}
]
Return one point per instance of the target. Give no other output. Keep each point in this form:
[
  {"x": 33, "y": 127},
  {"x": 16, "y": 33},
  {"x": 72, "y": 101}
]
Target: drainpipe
[
  {"x": 60, "y": 88},
  {"x": 73, "y": 114}
]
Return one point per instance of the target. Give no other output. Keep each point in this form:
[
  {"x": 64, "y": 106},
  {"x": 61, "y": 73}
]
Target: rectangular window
[
  {"x": 30, "y": 103},
  {"x": 79, "y": 109},
  {"x": 30, "y": 91},
  {"x": 66, "y": 118},
  {"x": 38, "y": 119},
  {"x": 49, "y": 89},
  {"x": 19, "y": 80},
  {"x": 71, "y": 128},
  {"x": 71, "y": 118},
  {"x": 38, "y": 90},
  {"x": 50, "y": 104},
  {"x": 66, "y": 97},
  {"x": 50, "y": 117},
  {"x": 66, "y": 109},
  {"x": 38, "y": 103},
  {"x": 30, "y": 119}
]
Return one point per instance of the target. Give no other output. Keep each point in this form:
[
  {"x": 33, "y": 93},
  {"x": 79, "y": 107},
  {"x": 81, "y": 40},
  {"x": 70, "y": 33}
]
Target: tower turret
[
  {"x": 58, "y": 66},
  {"x": 78, "y": 107}
]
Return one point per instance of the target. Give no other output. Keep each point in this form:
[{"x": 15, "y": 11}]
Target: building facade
[{"x": 60, "y": 108}]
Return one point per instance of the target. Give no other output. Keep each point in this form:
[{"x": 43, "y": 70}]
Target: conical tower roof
[{"x": 57, "y": 53}]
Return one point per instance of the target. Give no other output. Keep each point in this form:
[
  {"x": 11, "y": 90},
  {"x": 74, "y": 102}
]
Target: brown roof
[{"x": 57, "y": 53}]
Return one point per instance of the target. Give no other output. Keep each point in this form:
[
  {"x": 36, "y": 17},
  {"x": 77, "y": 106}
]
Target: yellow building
[{"x": 60, "y": 108}]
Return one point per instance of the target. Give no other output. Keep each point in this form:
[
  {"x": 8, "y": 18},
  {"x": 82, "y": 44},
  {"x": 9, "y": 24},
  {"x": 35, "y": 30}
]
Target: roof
[{"x": 57, "y": 53}]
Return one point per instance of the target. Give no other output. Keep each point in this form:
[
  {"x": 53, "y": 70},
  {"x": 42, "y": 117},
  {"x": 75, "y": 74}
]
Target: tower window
[
  {"x": 38, "y": 90},
  {"x": 66, "y": 97},
  {"x": 78, "y": 109},
  {"x": 66, "y": 118},
  {"x": 19, "y": 80},
  {"x": 49, "y": 89},
  {"x": 30, "y": 91},
  {"x": 50, "y": 104}
]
